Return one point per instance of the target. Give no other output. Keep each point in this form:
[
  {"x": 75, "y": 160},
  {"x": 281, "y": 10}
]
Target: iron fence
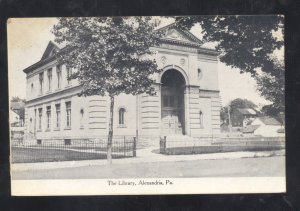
[
  {"x": 47, "y": 150},
  {"x": 206, "y": 145}
]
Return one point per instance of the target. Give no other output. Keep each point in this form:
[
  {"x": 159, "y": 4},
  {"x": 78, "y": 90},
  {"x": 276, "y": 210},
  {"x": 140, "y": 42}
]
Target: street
[{"x": 240, "y": 167}]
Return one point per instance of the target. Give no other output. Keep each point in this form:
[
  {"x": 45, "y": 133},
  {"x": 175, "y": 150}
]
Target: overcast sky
[{"x": 28, "y": 38}]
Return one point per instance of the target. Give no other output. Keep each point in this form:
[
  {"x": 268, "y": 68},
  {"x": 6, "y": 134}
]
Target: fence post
[
  {"x": 163, "y": 145},
  {"x": 124, "y": 146},
  {"x": 134, "y": 146}
]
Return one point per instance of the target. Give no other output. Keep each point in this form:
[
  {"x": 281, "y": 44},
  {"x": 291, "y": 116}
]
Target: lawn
[{"x": 32, "y": 155}]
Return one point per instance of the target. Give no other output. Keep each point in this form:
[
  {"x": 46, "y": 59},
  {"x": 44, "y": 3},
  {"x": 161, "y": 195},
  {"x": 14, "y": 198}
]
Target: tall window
[
  {"x": 81, "y": 117},
  {"x": 41, "y": 79},
  {"x": 48, "y": 117},
  {"x": 199, "y": 73},
  {"x": 57, "y": 106},
  {"x": 40, "y": 119},
  {"x": 121, "y": 116},
  {"x": 58, "y": 73},
  {"x": 34, "y": 120},
  {"x": 201, "y": 118},
  {"x": 30, "y": 125},
  {"x": 49, "y": 74},
  {"x": 168, "y": 101},
  {"x": 69, "y": 73},
  {"x": 68, "y": 109}
]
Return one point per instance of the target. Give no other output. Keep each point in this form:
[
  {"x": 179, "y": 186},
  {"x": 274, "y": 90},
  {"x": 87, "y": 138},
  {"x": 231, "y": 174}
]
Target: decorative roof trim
[
  {"x": 39, "y": 64},
  {"x": 51, "y": 45},
  {"x": 197, "y": 45},
  {"x": 42, "y": 62},
  {"x": 187, "y": 33},
  {"x": 181, "y": 42},
  {"x": 208, "y": 51}
]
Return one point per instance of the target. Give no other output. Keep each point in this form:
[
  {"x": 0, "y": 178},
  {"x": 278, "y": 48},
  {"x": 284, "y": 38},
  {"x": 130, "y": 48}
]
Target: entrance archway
[{"x": 172, "y": 102}]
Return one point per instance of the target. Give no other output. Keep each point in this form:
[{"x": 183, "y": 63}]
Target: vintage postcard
[{"x": 146, "y": 105}]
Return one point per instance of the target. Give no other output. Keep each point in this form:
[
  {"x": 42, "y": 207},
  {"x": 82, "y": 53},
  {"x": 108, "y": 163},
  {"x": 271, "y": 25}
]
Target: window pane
[
  {"x": 121, "y": 116},
  {"x": 180, "y": 101},
  {"x": 68, "y": 108},
  {"x": 171, "y": 102},
  {"x": 165, "y": 101},
  {"x": 49, "y": 72},
  {"x": 40, "y": 118},
  {"x": 69, "y": 73},
  {"x": 58, "y": 72},
  {"x": 48, "y": 116},
  {"x": 57, "y": 115}
]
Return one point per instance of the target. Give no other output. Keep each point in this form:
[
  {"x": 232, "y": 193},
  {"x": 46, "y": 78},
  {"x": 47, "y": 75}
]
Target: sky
[{"x": 28, "y": 38}]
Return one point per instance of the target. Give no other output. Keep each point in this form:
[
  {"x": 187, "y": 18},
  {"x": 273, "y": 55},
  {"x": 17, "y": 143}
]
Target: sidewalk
[{"x": 145, "y": 156}]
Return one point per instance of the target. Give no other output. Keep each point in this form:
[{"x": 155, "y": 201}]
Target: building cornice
[
  {"x": 209, "y": 90},
  {"x": 75, "y": 90},
  {"x": 195, "y": 44},
  {"x": 39, "y": 64},
  {"x": 43, "y": 62}
]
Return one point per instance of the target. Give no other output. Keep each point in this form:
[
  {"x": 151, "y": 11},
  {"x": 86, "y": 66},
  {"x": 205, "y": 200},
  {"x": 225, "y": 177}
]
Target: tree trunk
[{"x": 110, "y": 132}]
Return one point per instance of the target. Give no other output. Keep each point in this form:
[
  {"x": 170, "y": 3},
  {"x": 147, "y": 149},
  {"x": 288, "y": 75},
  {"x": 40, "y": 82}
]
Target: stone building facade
[{"x": 187, "y": 100}]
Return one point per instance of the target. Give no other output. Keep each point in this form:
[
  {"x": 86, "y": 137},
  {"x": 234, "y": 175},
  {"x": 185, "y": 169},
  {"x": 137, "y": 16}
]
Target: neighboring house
[
  {"x": 249, "y": 130},
  {"x": 243, "y": 116},
  {"x": 18, "y": 108},
  {"x": 187, "y": 100},
  {"x": 16, "y": 129},
  {"x": 17, "y": 133},
  {"x": 281, "y": 132},
  {"x": 265, "y": 126},
  {"x": 14, "y": 119}
]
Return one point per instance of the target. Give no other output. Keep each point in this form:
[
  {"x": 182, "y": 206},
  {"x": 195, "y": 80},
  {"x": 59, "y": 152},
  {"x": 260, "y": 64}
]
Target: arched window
[
  {"x": 121, "y": 116},
  {"x": 199, "y": 73},
  {"x": 81, "y": 117},
  {"x": 201, "y": 118}
]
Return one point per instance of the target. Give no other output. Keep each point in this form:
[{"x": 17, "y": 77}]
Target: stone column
[{"x": 187, "y": 110}]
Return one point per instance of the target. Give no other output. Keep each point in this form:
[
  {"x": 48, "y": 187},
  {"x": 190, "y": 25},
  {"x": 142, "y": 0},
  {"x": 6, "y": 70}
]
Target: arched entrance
[{"x": 172, "y": 102}]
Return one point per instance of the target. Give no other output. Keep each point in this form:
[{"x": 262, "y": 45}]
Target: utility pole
[{"x": 229, "y": 119}]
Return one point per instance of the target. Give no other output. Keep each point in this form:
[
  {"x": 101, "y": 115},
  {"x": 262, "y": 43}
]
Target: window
[
  {"x": 121, "y": 116},
  {"x": 30, "y": 125},
  {"x": 169, "y": 101},
  {"x": 165, "y": 101},
  {"x": 69, "y": 73},
  {"x": 31, "y": 87},
  {"x": 48, "y": 109},
  {"x": 81, "y": 117},
  {"x": 201, "y": 118},
  {"x": 40, "y": 119},
  {"x": 58, "y": 73},
  {"x": 67, "y": 141},
  {"x": 41, "y": 79},
  {"x": 49, "y": 74},
  {"x": 180, "y": 101},
  {"x": 199, "y": 73},
  {"x": 68, "y": 109},
  {"x": 57, "y": 106},
  {"x": 34, "y": 120}
]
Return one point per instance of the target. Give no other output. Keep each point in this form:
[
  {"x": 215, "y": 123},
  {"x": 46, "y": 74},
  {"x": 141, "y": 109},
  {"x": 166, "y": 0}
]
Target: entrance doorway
[{"x": 172, "y": 102}]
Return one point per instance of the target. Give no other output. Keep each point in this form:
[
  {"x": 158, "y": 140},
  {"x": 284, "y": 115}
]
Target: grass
[{"x": 32, "y": 155}]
